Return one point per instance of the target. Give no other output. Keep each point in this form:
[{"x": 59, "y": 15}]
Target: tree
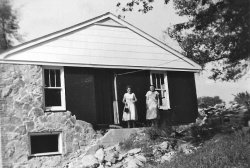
[
  {"x": 242, "y": 98},
  {"x": 206, "y": 101},
  {"x": 8, "y": 26},
  {"x": 217, "y": 32}
]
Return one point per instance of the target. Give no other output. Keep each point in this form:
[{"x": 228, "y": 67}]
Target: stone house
[{"x": 52, "y": 87}]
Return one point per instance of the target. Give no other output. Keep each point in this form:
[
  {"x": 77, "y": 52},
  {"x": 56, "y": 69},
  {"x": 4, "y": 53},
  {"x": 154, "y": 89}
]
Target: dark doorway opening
[{"x": 139, "y": 81}]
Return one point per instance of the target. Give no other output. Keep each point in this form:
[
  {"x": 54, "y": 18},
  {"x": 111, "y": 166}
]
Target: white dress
[
  {"x": 132, "y": 114},
  {"x": 152, "y": 105}
]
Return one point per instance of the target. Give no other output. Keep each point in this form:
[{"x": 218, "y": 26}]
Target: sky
[{"x": 41, "y": 17}]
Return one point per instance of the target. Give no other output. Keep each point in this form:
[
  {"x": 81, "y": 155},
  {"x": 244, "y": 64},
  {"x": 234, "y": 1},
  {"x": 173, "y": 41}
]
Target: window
[
  {"x": 54, "y": 92},
  {"x": 45, "y": 143},
  {"x": 160, "y": 81}
]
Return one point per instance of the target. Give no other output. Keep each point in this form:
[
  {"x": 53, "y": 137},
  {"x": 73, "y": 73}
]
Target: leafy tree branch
[
  {"x": 218, "y": 32},
  {"x": 8, "y": 26}
]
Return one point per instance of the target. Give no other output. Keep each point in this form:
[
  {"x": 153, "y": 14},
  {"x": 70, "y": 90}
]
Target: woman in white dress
[
  {"x": 152, "y": 105},
  {"x": 129, "y": 112}
]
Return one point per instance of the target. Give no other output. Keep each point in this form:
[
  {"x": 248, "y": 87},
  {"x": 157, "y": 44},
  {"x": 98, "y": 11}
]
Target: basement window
[
  {"x": 54, "y": 90},
  {"x": 45, "y": 144}
]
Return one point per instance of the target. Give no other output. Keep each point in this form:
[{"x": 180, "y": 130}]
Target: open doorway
[{"x": 140, "y": 82}]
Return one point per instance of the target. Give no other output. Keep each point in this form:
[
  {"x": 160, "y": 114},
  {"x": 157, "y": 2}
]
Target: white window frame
[
  {"x": 63, "y": 104},
  {"x": 60, "y": 143},
  {"x": 166, "y": 88}
]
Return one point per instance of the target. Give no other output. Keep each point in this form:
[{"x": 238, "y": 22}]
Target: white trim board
[{"x": 96, "y": 66}]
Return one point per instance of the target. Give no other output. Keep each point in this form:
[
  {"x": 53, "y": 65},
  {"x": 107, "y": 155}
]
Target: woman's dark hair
[
  {"x": 128, "y": 86},
  {"x": 152, "y": 85}
]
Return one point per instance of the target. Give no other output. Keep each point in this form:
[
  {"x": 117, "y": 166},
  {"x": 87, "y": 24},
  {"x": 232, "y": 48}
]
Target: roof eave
[{"x": 97, "y": 65}]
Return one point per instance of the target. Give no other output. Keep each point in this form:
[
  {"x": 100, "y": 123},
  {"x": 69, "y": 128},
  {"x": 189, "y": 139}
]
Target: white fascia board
[{"x": 97, "y": 66}]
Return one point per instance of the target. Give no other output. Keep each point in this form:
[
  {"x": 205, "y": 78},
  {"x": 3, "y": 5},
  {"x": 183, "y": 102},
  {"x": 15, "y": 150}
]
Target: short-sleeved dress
[
  {"x": 152, "y": 105},
  {"x": 132, "y": 114}
]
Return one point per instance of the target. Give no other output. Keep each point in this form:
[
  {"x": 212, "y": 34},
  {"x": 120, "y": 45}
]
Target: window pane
[
  {"x": 160, "y": 97},
  {"x": 153, "y": 79},
  {"x": 46, "y": 77},
  {"x": 164, "y": 102},
  {"x": 52, "y": 97},
  {"x": 158, "y": 80},
  {"x": 58, "y": 81},
  {"x": 52, "y": 78},
  {"x": 162, "y": 78}
]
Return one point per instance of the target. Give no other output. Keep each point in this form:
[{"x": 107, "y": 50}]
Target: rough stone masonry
[{"x": 22, "y": 112}]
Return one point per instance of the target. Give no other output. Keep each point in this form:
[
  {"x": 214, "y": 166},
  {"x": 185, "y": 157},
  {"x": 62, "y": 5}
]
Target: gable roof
[{"x": 106, "y": 20}]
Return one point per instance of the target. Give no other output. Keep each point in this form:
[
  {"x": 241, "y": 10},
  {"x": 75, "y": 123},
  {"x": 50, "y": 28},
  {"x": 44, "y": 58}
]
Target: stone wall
[
  {"x": 1, "y": 163},
  {"x": 21, "y": 112}
]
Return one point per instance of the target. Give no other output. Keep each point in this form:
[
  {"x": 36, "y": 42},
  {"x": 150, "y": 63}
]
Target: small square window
[
  {"x": 54, "y": 91},
  {"x": 45, "y": 143}
]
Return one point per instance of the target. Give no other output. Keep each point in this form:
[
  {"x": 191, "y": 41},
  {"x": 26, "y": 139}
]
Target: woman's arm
[
  {"x": 158, "y": 99},
  {"x": 135, "y": 99},
  {"x": 147, "y": 96},
  {"x": 124, "y": 99}
]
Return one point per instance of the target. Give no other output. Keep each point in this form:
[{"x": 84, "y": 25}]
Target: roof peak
[{"x": 86, "y": 23}]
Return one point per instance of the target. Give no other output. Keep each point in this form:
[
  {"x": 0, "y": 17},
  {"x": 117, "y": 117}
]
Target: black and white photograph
[{"x": 124, "y": 83}]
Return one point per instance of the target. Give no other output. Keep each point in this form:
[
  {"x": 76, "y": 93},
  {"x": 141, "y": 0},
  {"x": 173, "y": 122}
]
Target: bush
[
  {"x": 155, "y": 133},
  {"x": 232, "y": 150},
  {"x": 199, "y": 132},
  {"x": 206, "y": 101},
  {"x": 243, "y": 98},
  {"x": 133, "y": 142},
  {"x": 205, "y": 132},
  {"x": 128, "y": 144}
]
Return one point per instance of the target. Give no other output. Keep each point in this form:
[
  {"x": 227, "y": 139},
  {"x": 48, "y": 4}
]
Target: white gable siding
[
  {"x": 100, "y": 45},
  {"x": 110, "y": 22}
]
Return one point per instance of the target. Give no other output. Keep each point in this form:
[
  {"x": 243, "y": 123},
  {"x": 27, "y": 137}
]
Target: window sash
[
  {"x": 52, "y": 78},
  {"x": 55, "y": 87},
  {"x": 164, "y": 92}
]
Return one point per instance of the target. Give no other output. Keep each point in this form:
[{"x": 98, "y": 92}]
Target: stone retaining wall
[
  {"x": 1, "y": 163},
  {"x": 21, "y": 112}
]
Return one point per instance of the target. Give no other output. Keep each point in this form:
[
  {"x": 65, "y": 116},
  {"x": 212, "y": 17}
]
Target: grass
[
  {"x": 132, "y": 142},
  {"x": 222, "y": 147},
  {"x": 151, "y": 136},
  {"x": 222, "y": 151},
  {"x": 156, "y": 133},
  {"x": 145, "y": 144},
  {"x": 128, "y": 144}
]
